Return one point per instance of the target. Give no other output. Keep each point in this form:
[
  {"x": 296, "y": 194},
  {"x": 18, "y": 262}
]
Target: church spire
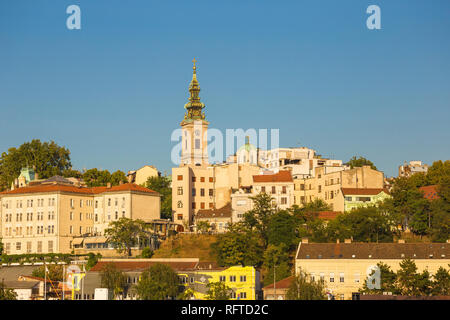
[{"x": 194, "y": 106}]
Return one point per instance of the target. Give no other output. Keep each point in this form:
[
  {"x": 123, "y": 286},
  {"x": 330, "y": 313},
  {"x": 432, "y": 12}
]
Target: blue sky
[{"x": 114, "y": 91}]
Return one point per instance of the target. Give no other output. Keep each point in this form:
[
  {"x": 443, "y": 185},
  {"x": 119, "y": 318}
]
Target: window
[
  {"x": 283, "y": 189},
  {"x": 71, "y": 229},
  {"x": 211, "y": 192},
  {"x": 233, "y": 295},
  {"x": 232, "y": 278},
  {"x": 96, "y": 204},
  {"x": 109, "y": 202},
  {"x": 341, "y": 277},
  {"x": 222, "y": 278},
  {"x": 180, "y": 191},
  {"x": 81, "y": 216},
  {"x": 202, "y": 205},
  {"x": 348, "y": 199},
  {"x": 263, "y": 189},
  {"x": 243, "y": 278},
  {"x": 202, "y": 192},
  {"x": 320, "y": 189},
  {"x": 312, "y": 276},
  {"x": 180, "y": 204},
  {"x": 331, "y": 194},
  {"x": 18, "y": 246},
  {"x": 243, "y": 295},
  {"x": 211, "y": 205},
  {"x": 211, "y": 179},
  {"x": 29, "y": 247},
  {"x": 193, "y": 179},
  {"x": 179, "y": 177},
  {"x": 273, "y": 190},
  {"x": 193, "y": 192},
  {"x": 363, "y": 199},
  {"x": 197, "y": 143},
  {"x": 283, "y": 200},
  {"x": 193, "y": 205},
  {"x": 50, "y": 246},
  {"x": 331, "y": 277},
  {"x": 302, "y": 187},
  {"x": 180, "y": 217},
  {"x": 39, "y": 247}
]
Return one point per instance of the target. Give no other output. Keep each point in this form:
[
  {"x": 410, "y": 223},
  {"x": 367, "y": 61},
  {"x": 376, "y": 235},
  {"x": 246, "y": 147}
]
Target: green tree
[
  {"x": 238, "y": 246},
  {"x": 1, "y": 247},
  {"x": 387, "y": 281},
  {"x": 161, "y": 184},
  {"x": 92, "y": 260},
  {"x": 412, "y": 283},
  {"x": 126, "y": 233},
  {"x": 96, "y": 178},
  {"x": 159, "y": 282},
  {"x": 438, "y": 171},
  {"x": 364, "y": 224},
  {"x": 55, "y": 272},
  {"x": 203, "y": 226},
  {"x": 305, "y": 288},
  {"x": 118, "y": 177},
  {"x": 113, "y": 279},
  {"x": 218, "y": 291},
  {"x": 6, "y": 293},
  {"x": 276, "y": 262},
  {"x": 359, "y": 162},
  {"x": 441, "y": 284},
  {"x": 258, "y": 218},
  {"x": 281, "y": 229},
  {"x": 46, "y": 158},
  {"x": 147, "y": 253}
]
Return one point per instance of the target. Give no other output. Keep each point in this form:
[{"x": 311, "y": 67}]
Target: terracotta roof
[
  {"x": 224, "y": 212},
  {"x": 374, "y": 251},
  {"x": 430, "y": 192},
  {"x": 282, "y": 284},
  {"x": 72, "y": 189},
  {"x": 327, "y": 215},
  {"x": 281, "y": 176},
  {"x": 362, "y": 191},
  {"x": 143, "y": 265}
]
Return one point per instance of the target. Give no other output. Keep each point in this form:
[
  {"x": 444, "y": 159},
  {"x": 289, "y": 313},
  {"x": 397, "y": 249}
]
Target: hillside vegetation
[{"x": 187, "y": 246}]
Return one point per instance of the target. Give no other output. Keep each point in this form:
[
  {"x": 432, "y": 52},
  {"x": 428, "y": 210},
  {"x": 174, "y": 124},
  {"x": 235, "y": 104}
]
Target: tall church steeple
[
  {"x": 194, "y": 127},
  {"x": 194, "y": 107}
]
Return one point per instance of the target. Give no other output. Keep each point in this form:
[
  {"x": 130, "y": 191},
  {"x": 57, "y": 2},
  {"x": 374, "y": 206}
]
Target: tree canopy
[
  {"x": 113, "y": 279},
  {"x": 305, "y": 288},
  {"x": 159, "y": 282},
  {"x": 218, "y": 291},
  {"x": 161, "y": 184},
  {"x": 46, "y": 158},
  {"x": 126, "y": 233},
  {"x": 359, "y": 162}
]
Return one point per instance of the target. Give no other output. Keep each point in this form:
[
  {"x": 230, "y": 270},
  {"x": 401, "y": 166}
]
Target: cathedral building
[{"x": 196, "y": 184}]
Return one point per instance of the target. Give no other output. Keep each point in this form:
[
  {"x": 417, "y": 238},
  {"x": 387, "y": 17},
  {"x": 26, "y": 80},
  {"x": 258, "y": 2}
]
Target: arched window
[{"x": 180, "y": 204}]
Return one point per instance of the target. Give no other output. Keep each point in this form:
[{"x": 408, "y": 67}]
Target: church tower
[{"x": 194, "y": 151}]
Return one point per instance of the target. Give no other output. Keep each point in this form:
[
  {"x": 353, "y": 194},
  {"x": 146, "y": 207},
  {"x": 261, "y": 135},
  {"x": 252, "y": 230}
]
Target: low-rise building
[
  {"x": 279, "y": 186},
  {"x": 406, "y": 170},
  {"x": 243, "y": 281},
  {"x": 357, "y": 197},
  {"x": 278, "y": 290},
  {"x": 218, "y": 219},
  {"x": 46, "y": 217},
  {"x": 141, "y": 175},
  {"x": 344, "y": 266}
]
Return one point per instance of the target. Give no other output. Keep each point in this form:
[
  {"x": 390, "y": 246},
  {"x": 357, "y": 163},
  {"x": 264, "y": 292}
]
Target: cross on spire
[{"x": 194, "y": 67}]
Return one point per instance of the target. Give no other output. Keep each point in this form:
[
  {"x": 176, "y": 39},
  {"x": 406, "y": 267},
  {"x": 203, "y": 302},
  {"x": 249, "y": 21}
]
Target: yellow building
[
  {"x": 141, "y": 175},
  {"x": 344, "y": 266},
  {"x": 193, "y": 274},
  {"x": 46, "y": 217}
]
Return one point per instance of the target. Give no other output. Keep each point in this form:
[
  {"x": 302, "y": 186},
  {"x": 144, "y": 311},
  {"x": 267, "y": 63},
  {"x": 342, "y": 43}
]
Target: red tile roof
[
  {"x": 327, "y": 215},
  {"x": 362, "y": 191},
  {"x": 51, "y": 188},
  {"x": 430, "y": 192},
  {"x": 143, "y": 265},
  {"x": 281, "y": 176},
  {"x": 282, "y": 284},
  {"x": 224, "y": 212}
]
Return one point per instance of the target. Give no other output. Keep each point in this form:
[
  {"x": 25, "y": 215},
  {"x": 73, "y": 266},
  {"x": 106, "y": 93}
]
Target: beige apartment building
[
  {"x": 344, "y": 266},
  {"x": 280, "y": 186},
  {"x": 141, "y": 175},
  {"x": 46, "y": 218},
  {"x": 327, "y": 185}
]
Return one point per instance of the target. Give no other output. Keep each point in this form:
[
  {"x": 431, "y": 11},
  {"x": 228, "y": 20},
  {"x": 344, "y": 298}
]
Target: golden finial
[{"x": 194, "y": 67}]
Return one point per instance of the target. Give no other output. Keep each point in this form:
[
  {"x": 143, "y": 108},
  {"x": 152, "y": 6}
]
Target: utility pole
[{"x": 274, "y": 281}]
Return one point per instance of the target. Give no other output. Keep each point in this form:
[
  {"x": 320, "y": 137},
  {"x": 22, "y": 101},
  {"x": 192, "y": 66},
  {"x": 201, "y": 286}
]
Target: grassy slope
[{"x": 187, "y": 246}]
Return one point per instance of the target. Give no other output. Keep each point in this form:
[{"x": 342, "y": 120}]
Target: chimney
[
  {"x": 348, "y": 241},
  {"x": 401, "y": 241},
  {"x": 337, "y": 240},
  {"x": 305, "y": 240},
  {"x": 108, "y": 185}
]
